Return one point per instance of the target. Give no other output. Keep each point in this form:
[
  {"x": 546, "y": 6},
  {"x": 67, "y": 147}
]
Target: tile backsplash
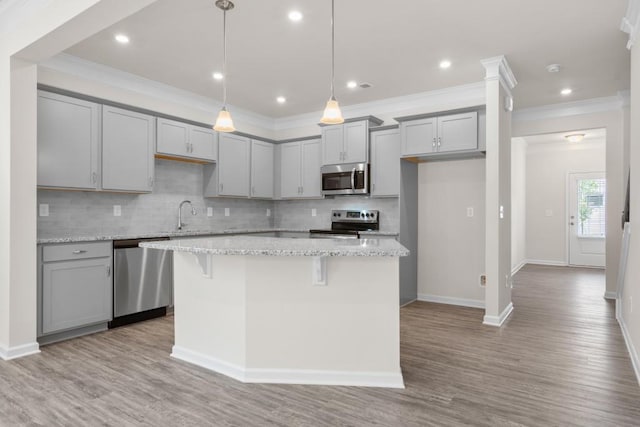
[{"x": 87, "y": 213}]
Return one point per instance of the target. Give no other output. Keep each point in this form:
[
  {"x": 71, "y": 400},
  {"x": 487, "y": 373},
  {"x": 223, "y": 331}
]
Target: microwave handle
[{"x": 353, "y": 178}]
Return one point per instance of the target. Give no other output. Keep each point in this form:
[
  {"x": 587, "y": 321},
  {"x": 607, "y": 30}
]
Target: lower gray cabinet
[{"x": 76, "y": 286}]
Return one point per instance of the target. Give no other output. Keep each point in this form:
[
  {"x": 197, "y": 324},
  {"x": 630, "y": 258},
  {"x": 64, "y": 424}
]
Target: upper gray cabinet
[
  {"x": 128, "y": 140},
  {"x": 262, "y": 169},
  {"x": 385, "y": 163},
  {"x": 300, "y": 169},
  {"x": 446, "y": 135},
  {"x": 347, "y": 143},
  {"x": 177, "y": 139},
  {"x": 230, "y": 176},
  {"x": 68, "y": 142}
]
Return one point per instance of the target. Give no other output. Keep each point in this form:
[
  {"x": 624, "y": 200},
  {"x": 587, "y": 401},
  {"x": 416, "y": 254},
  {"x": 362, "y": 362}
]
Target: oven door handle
[{"x": 353, "y": 178}]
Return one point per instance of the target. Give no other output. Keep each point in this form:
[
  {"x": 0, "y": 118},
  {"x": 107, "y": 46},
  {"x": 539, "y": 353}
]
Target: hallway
[{"x": 559, "y": 360}]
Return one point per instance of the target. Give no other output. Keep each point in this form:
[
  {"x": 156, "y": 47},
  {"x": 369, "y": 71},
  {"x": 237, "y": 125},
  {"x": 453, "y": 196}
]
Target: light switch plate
[
  {"x": 117, "y": 210},
  {"x": 314, "y": 212},
  {"x": 470, "y": 212},
  {"x": 209, "y": 211},
  {"x": 548, "y": 212},
  {"x": 227, "y": 211},
  {"x": 43, "y": 209},
  {"x": 268, "y": 212}
]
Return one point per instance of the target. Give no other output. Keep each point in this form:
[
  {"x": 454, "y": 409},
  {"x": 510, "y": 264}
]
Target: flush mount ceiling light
[
  {"x": 224, "y": 122},
  {"x": 566, "y": 91},
  {"x": 553, "y": 68},
  {"x": 218, "y": 75},
  {"x": 281, "y": 99},
  {"x": 121, "y": 38},
  {"x": 332, "y": 114},
  {"x": 352, "y": 84},
  {"x": 295, "y": 16},
  {"x": 445, "y": 63},
  {"x": 575, "y": 137}
]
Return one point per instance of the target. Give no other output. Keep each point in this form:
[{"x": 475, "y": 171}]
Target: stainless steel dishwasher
[{"x": 142, "y": 282}]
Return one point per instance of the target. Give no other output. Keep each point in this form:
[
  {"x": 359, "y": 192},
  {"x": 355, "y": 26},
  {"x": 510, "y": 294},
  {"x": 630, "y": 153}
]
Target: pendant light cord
[
  {"x": 333, "y": 54},
  {"x": 224, "y": 59}
]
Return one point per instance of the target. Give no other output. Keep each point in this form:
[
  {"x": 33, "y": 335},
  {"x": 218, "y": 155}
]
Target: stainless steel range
[{"x": 347, "y": 224}]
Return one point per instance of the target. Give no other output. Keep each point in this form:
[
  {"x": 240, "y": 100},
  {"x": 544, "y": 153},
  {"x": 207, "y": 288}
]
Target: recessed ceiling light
[
  {"x": 352, "y": 84},
  {"x": 218, "y": 75},
  {"x": 445, "y": 63},
  {"x": 295, "y": 16},
  {"x": 121, "y": 38},
  {"x": 575, "y": 137},
  {"x": 566, "y": 91},
  {"x": 281, "y": 99}
]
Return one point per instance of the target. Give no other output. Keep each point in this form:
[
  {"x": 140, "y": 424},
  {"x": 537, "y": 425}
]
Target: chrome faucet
[{"x": 193, "y": 212}]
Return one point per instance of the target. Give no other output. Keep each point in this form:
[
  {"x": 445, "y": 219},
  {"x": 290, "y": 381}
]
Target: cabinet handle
[
  {"x": 221, "y": 187},
  {"x": 108, "y": 271},
  {"x": 186, "y": 146},
  {"x": 78, "y": 251},
  {"x": 301, "y": 190},
  {"x": 150, "y": 182},
  {"x": 439, "y": 141},
  {"x": 373, "y": 186},
  {"x": 253, "y": 190},
  {"x": 190, "y": 147},
  {"x": 434, "y": 143},
  {"x": 94, "y": 177}
]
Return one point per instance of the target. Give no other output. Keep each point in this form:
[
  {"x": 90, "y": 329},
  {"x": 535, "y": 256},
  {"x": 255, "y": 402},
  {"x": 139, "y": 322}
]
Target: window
[{"x": 591, "y": 207}]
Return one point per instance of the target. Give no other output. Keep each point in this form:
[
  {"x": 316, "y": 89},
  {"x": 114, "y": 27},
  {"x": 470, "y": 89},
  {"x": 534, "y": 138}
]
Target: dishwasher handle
[{"x": 133, "y": 243}]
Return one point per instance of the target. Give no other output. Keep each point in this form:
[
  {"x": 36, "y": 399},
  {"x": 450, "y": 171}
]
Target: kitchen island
[{"x": 282, "y": 310}]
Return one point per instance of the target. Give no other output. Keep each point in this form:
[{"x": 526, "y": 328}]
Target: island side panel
[
  {"x": 210, "y": 313},
  {"x": 350, "y": 325}
]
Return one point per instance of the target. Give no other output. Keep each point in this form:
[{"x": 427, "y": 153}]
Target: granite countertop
[
  {"x": 183, "y": 233},
  {"x": 273, "y": 246}
]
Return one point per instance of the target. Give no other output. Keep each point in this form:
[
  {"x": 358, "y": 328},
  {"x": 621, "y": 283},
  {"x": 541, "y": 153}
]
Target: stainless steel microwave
[{"x": 352, "y": 178}]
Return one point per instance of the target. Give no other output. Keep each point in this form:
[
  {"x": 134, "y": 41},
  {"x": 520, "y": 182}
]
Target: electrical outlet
[
  {"x": 268, "y": 212},
  {"x": 548, "y": 212},
  {"x": 470, "y": 212},
  {"x": 314, "y": 212},
  {"x": 227, "y": 211},
  {"x": 209, "y": 211},
  {"x": 44, "y": 209},
  {"x": 508, "y": 282},
  {"x": 117, "y": 210},
  {"x": 483, "y": 280}
]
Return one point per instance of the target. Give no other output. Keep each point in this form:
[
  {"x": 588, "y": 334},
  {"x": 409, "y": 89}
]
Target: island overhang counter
[{"x": 283, "y": 310}]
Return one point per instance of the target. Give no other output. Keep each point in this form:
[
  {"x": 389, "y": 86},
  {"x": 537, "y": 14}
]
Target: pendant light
[
  {"x": 332, "y": 114},
  {"x": 224, "y": 122}
]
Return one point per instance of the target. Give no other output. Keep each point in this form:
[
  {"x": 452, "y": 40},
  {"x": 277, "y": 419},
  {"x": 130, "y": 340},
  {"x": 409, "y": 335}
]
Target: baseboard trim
[
  {"x": 463, "y": 302},
  {"x": 546, "y": 262},
  {"x": 19, "y": 351},
  {"x": 291, "y": 376},
  {"x": 518, "y": 267},
  {"x": 610, "y": 295},
  {"x": 633, "y": 354},
  {"x": 498, "y": 320}
]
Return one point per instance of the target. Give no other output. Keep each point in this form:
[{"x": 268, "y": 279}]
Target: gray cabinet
[
  {"x": 128, "y": 140},
  {"x": 75, "y": 287},
  {"x": 345, "y": 143},
  {"x": 300, "y": 169},
  {"x": 385, "y": 163},
  {"x": 68, "y": 142},
  {"x": 262, "y": 169},
  {"x": 177, "y": 139},
  {"x": 443, "y": 134},
  {"x": 231, "y": 175}
]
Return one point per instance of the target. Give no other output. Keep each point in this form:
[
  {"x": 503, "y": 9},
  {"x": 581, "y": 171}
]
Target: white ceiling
[{"x": 396, "y": 46}]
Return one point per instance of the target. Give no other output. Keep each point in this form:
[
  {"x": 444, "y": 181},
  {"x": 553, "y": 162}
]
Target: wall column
[{"x": 499, "y": 83}]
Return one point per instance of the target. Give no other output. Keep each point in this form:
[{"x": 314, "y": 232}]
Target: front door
[{"x": 587, "y": 220}]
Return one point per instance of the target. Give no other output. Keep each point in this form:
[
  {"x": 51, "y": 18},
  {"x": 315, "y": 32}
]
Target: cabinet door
[
  {"x": 75, "y": 293},
  {"x": 128, "y": 141},
  {"x": 310, "y": 168},
  {"x": 203, "y": 143},
  {"x": 458, "y": 132},
  {"x": 261, "y": 169},
  {"x": 356, "y": 136},
  {"x": 290, "y": 162},
  {"x": 233, "y": 165},
  {"x": 332, "y": 145},
  {"x": 385, "y": 163},
  {"x": 418, "y": 136},
  {"x": 68, "y": 141},
  {"x": 173, "y": 138}
]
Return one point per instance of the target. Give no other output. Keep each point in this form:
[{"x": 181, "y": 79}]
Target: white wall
[
  {"x": 548, "y": 166},
  {"x": 518, "y": 203},
  {"x": 451, "y": 244}
]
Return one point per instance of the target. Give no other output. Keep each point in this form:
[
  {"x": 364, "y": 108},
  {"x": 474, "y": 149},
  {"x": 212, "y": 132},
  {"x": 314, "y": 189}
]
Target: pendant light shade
[
  {"x": 224, "y": 122},
  {"x": 332, "y": 114}
]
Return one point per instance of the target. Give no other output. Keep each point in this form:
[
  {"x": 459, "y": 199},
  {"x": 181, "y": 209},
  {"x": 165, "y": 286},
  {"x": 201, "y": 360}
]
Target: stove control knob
[{"x": 362, "y": 215}]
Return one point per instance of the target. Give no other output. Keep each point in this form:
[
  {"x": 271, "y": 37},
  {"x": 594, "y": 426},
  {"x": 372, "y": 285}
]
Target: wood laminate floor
[{"x": 560, "y": 360}]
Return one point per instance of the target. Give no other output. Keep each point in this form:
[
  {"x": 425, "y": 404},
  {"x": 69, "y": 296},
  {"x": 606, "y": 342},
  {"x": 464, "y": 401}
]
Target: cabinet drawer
[{"x": 70, "y": 251}]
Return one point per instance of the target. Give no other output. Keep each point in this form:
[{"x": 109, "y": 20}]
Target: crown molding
[
  {"x": 469, "y": 95},
  {"x": 575, "y": 108},
  {"x": 84, "y": 69},
  {"x": 631, "y": 22},
  {"x": 497, "y": 68}
]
